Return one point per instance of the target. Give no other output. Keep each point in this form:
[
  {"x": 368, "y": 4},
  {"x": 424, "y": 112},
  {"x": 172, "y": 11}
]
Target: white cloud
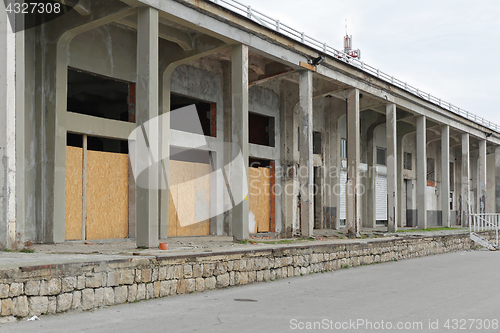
[{"x": 445, "y": 47}]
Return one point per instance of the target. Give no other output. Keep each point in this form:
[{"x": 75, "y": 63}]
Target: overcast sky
[{"x": 450, "y": 48}]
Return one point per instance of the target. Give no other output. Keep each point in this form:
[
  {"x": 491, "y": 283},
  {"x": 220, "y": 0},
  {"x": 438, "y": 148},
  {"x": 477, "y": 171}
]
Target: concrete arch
[{"x": 54, "y": 230}]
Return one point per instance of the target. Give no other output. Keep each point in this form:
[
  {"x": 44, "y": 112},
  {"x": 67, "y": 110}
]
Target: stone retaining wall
[{"x": 37, "y": 290}]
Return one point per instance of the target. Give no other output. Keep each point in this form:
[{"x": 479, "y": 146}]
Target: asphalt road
[{"x": 456, "y": 292}]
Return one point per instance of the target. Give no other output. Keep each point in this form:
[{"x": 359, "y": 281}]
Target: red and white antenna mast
[{"x": 348, "y": 45}]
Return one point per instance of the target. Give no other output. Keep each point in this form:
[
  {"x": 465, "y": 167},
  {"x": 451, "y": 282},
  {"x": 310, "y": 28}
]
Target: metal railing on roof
[{"x": 301, "y": 37}]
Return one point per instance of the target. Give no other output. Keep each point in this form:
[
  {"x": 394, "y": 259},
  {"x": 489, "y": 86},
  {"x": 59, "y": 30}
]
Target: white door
[
  {"x": 381, "y": 197},
  {"x": 343, "y": 181}
]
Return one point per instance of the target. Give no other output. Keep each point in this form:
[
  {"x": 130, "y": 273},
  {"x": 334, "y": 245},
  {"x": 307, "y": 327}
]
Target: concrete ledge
[{"x": 49, "y": 289}]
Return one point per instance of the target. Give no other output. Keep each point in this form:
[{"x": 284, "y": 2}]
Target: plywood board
[
  {"x": 185, "y": 196},
  {"x": 202, "y": 198},
  {"x": 107, "y": 195},
  {"x": 259, "y": 199},
  {"x": 172, "y": 213},
  {"x": 189, "y": 199},
  {"x": 74, "y": 170},
  {"x": 263, "y": 218}
]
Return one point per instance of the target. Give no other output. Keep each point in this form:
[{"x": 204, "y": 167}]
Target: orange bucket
[{"x": 163, "y": 246}]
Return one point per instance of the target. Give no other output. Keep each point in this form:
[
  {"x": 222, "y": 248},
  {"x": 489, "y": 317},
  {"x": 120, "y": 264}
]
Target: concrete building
[{"x": 322, "y": 146}]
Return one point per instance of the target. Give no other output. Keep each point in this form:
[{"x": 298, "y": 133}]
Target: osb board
[
  {"x": 74, "y": 190},
  {"x": 189, "y": 202},
  {"x": 107, "y": 195},
  {"x": 259, "y": 199}
]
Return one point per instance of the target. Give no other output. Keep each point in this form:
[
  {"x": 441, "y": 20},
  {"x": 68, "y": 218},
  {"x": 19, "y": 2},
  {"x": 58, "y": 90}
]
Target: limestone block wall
[{"x": 37, "y": 290}]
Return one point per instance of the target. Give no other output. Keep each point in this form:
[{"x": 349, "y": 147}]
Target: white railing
[
  {"x": 484, "y": 222},
  {"x": 301, "y": 37}
]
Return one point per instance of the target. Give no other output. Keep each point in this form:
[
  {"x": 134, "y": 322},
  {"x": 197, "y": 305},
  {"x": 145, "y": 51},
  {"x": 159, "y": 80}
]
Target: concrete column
[
  {"x": 7, "y": 131},
  {"x": 497, "y": 179},
  {"x": 399, "y": 161},
  {"x": 329, "y": 161},
  {"x": 306, "y": 169},
  {"x": 239, "y": 89},
  {"x": 464, "y": 202},
  {"x": 164, "y": 130},
  {"x": 333, "y": 109},
  {"x": 228, "y": 110},
  {"x": 445, "y": 175},
  {"x": 23, "y": 230},
  {"x": 147, "y": 205},
  {"x": 289, "y": 98},
  {"x": 421, "y": 173},
  {"x": 403, "y": 128},
  {"x": 341, "y": 107},
  {"x": 371, "y": 155},
  {"x": 392, "y": 191},
  {"x": 481, "y": 184},
  {"x": 353, "y": 195}
]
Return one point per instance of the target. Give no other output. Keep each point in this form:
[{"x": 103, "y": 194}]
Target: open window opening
[
  {"x": 430, "y": 172},
  {"x": 260, "y": 129},
  {"x": 316, "y": 142},
  {"x": 381, "y": 156},
  {"x": 100, "y": 96},
  {"x": 407, "y": 162},
  {"x": 207, "y": 115}
]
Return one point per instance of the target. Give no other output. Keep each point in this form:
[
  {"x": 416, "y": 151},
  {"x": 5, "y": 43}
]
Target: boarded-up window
[
  {"x": 97, "y": 193},
  {"x": 189, "y": 201},
  {"x": 107, "y": 195},
  {"x": 259, "y": 198},
  {"x": 407, "y": 161},
  {"x": 74, "y": 207}
]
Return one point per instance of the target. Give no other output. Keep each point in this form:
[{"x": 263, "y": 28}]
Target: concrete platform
[
  {"x": 76, "y": 276},
  {"x": 104, "y": 250}
]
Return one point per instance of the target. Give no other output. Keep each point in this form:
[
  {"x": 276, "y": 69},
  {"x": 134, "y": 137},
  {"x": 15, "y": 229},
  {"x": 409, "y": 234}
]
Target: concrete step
[{"x": 483, "y": 242}]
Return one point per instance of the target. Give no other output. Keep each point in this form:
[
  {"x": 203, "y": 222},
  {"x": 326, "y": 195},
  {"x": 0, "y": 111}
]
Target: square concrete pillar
[
  {"x": 421, "y": 173},
  {"x": 481, "y": 165},
  {"x": 445, "y": 175},
  {"x": 147, "y": 204},
  {"x": 464, "y": 202},
  {"x": 289, "y": 98},
  {"x": 334, "y": 108},
  {"x": 402, "y": 130},
  {"x": 7, "y": 130},
  {"x": 392, "y": 188},
  {"x": 353, "y": 186},
  {"x": 239, "y": 130},
  {"x": 306, "y": 169},
  {"x": 497, "y": 180},
  {"x": 371, "y": 175}
]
